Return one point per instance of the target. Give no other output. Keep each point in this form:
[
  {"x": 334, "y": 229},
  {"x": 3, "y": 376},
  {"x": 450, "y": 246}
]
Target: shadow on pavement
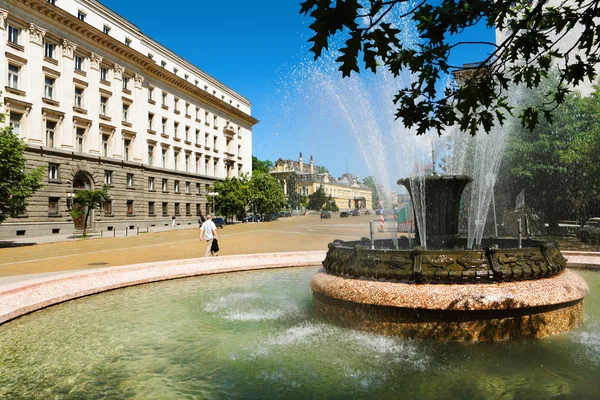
[{"x": 8, "y": 244}]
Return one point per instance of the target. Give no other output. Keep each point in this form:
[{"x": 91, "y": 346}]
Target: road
[{"x": 298, "y": 233}]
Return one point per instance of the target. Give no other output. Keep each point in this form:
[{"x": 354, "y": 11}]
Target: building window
[
  {"x": 15, "y": 122},
  {"x": 164, "y": 99},
  {"x": 163, "y": 127},
  {"x": 150, "y": 155},
  {"x": 186, "y": 77},
  {"x": 150, "y": 121},
  {"x": 151, "y": 184},
  {"x": 151, "y": 56},
  {"x": 78, "y": 97},
  {"x": 197, "y": 136},
  {"x": 150, "y": 208},
  {"x": 103, "y": 105},
  {"x": 175, "y": 71},
  {"x": 79, "y": 136},
  {"x": 129, "y": 180},
  {"x": 150, "y": 93},
  {"x": 105, "y": 145},
  {"x": 13, "y": 34},
  {"x": 165, "y": 208},
  {"x": 197, "y": 164},
  {"x": 163, "y": 64},
  {"x": 103, "y": 73},
  {"x": 13, "y": 76},
  {"x": 81, "y": 15},
  {"x": 175, "y": 129},
  {"x": 197, "y": 188},
  {"x": 50, "y": 133},
  {"x": 78, "y": 63},
  {"x": 125, "y": 83},
  {"x": 197, "y": 209},
  {"x": 126, "y": 145},
  {"x": 53, "y": 2},
  {"x": 187, "y": 108},
  {"x": 108, "y": 207},
  {"x": 125, "y": 112},
  {"x": 106, "y": 30},
  {"x": 165, "y": 187},
  {"x": 176, "y": 187},
  {"x": 108, "y": 177},
  {"x": 187, "y": 163},
  {"x": 48, "y": 50},
  {"x": 127, "y": 42},
  {"x": 53, "y": 206},
  {"x": 177, "y": 209},
  {"x": 187, "y": 133},
  {"x": 53, "y": 172},
  {"x": 188, "y": 188},
  {"x": 163, "y": 158},
  {"x": 176, "y": 104},
  {"x": 129, "y": 207},
  {"x": 215, "y": 143},
  {"x": 176, "y": 160}
]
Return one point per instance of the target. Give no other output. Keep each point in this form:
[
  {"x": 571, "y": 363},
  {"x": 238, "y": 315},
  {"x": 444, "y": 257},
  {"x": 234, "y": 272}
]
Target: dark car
[
  {"x": 325, "y": 214},
  {"x": 269, "y": 217},
  {"x": 219, "y": 222},
  {"x": 355, "y": 212},
  {"x": 252, "y": 218},
  {"x": 344, "y": 214}
]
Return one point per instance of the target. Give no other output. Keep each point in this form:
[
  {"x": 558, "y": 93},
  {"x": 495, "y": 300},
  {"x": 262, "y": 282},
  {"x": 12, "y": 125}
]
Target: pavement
[{"x": 28, "y": 258}]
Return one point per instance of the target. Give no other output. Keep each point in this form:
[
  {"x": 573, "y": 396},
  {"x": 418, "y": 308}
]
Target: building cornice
[{"x": 114, "y": 47}]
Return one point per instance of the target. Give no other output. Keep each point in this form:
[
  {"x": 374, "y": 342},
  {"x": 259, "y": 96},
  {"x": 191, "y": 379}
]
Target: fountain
[{"x": 500, "y": 291}]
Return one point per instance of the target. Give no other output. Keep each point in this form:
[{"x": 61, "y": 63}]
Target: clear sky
[{"x": 259, "y": 49}]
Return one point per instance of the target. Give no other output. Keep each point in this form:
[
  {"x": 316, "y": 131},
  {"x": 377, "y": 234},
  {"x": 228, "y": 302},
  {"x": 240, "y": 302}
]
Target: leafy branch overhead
[{"x": 529, "y": 50}]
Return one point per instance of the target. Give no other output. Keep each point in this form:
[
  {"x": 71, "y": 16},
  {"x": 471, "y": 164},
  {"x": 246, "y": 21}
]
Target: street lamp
[
  {"x": 69, "y": 201},
  {"x": 213, "y": 195}
]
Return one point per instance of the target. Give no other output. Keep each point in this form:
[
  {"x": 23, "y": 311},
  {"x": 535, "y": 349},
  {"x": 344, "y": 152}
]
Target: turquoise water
[{"x": 254, "y": 335}]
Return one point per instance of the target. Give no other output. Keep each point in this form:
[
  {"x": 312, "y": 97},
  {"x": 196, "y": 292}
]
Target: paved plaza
[{"x": 36, "y": 257}]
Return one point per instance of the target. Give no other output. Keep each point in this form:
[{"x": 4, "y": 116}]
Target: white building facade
[{"x": 98, "y": 102}]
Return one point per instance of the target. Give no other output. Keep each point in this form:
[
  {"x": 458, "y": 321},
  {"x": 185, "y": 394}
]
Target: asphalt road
[{"x": 299, "y": 233}]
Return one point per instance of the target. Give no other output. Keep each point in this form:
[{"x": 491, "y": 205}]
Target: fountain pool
[{"x": 255, "y": 335}]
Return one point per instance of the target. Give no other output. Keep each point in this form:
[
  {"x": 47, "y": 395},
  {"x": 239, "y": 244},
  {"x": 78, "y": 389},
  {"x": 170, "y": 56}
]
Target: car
[
  {"x": 344, "y": 214},
  {"x": 325, "y": 214},
  {"x": 219, "y": 222},
  {"x": 252, "y": 218},
  {"x": 269, "y": 217},
  {"x": 591, "y": 230},
  {"x": 355, "y": 212}
]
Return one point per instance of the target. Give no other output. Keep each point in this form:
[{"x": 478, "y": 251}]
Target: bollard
[
  {"x": 126, "y": 231},
  {"x": 101, "y": 233},
  {"x": 114, "y": 231},
  {"x": 371, "y": 232},
  {"x": 138, "y": 230},
  {"x": 147, "y": 229},
  {"x": 520, "y": 230}
]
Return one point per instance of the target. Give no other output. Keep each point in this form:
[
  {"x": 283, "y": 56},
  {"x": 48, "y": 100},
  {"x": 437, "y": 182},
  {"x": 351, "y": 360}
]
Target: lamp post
[
  {"x": 69, "y": 201},
  {"x": 213, "y": 195}
]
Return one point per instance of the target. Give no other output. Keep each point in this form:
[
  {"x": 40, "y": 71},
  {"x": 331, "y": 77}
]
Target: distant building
[
  {"x": 98, "y": 102},
  {"x": 346, "y": 192}
]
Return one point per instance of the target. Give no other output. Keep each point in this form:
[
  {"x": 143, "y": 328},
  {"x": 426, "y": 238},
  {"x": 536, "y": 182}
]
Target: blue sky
[{"x": 259, "y": 48}]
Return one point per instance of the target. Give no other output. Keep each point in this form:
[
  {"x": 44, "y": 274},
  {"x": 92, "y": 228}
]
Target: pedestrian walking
[
  {"x": 173, "y": 221},
  {"x": 208, "y": 232}
]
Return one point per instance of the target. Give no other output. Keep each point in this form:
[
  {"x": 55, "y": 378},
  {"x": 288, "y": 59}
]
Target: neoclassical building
[
  {"x": 98, "y": 102},
  {"x": 347, "y": 192}
]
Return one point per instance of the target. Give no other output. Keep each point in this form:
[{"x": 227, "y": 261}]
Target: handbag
[{"x": 215, "y": 246}]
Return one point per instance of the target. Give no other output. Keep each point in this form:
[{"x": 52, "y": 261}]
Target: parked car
[
  {"x": 325, "y": 215},
  {"x": 591, "y": 230},
  {"x": 355, "y": 212},
  {"x": 269, "y": 217},
  {"x": 219, "y": 222},
  {"x": 252, "y": 218},
  {"x": 344, "y": 214}
]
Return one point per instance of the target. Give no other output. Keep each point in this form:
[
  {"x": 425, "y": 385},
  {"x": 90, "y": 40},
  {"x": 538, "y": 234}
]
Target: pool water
[{"x": 254, "y": 335}]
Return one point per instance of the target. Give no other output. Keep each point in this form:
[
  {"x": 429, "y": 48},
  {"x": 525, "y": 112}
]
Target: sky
[{"x": 260, "y": 49}]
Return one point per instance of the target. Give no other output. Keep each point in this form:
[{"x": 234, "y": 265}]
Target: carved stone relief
[
  {"x": 119, "y": 69},
  {"x": 95, "y": 61},
  {"x": 68, "y": 48},
  {"x": 36, "y": 34}
]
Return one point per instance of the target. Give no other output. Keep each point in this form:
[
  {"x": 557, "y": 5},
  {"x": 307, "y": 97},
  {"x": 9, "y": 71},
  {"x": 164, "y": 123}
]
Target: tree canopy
[
  {"x": 261, "y": 167},
  {"x": 530, "y": 48},
  {"x": 16, "y": 185}
]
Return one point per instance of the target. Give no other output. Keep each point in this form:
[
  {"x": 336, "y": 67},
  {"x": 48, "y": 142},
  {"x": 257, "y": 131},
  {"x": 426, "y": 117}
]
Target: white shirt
[{"x": 208, "y": 227}]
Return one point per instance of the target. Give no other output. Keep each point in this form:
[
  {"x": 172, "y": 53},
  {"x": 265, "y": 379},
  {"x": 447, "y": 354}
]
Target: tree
[
  {"x": 531, "y": 47},
  {"x": 234, "y": 196},
  {"x": 16, "y": 185},
  {"x": 87, "y": 201},
  {"x": 558, "y": 165},
  {"x": 261, "y": 167},
  {"x": 293, "y": 196},
  {"x": 371, "y": 182},
  {"x": 266, "y": 194},
  {"x": 321, "y": 169},
  {"x": 330, "y": 205},
  {"x": 317, "y": 199}
]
